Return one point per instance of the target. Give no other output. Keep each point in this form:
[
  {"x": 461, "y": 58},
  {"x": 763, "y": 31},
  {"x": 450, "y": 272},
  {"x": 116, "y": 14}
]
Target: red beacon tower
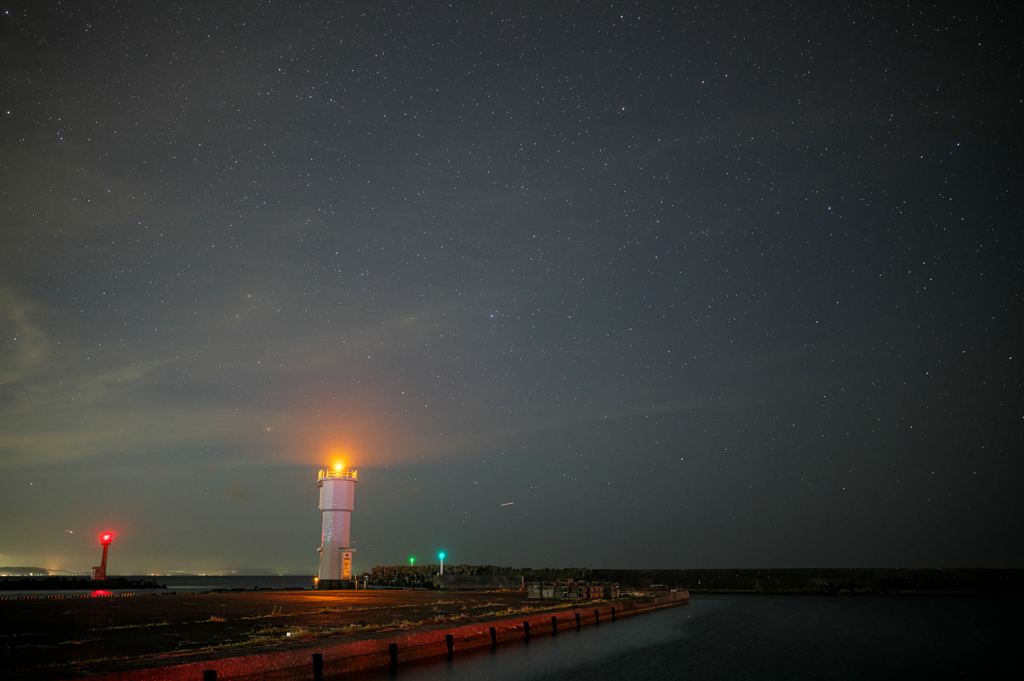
[{"x": 100, "y": 573}]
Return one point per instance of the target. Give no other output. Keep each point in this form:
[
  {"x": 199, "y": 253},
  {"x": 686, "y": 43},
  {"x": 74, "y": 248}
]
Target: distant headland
[{"x": 37, "y": 572}]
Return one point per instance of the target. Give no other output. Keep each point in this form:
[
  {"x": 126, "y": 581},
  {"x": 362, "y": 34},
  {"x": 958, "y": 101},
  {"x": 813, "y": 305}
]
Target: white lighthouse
[{"x": 337, "y": 496}]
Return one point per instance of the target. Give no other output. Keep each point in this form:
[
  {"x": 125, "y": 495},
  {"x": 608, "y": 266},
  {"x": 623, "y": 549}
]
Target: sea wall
[
  {"x": 337, "y": 657},
  {"x": 478, "y": 582},
  {"x": 735, "y": 580},
  {"x": 819, "y": 580}
]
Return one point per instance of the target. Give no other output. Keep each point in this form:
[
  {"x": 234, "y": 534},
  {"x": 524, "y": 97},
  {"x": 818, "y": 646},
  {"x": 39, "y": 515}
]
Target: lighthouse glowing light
[{"x": 337, "y": 496}]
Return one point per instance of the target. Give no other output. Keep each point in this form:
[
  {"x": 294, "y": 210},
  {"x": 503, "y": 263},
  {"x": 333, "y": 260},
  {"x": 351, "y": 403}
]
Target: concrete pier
[
  {"x": 264, "y": 634},
  {"x": 391, "y": 650}
]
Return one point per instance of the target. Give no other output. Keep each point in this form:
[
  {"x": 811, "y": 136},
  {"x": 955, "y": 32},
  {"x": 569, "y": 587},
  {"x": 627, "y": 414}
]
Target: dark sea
[
  {"x": 196, "y": 583},
  {"x": 766, "y": 637},
  {"x": 208, "y": 583}
]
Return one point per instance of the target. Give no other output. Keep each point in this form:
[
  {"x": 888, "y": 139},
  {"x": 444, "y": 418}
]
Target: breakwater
[
  {"x": 330, "y": 657},
  {"x": 820, "y": 581},
  {"x": 114, "y": 635},
  {"x": 77, "y": 583}
]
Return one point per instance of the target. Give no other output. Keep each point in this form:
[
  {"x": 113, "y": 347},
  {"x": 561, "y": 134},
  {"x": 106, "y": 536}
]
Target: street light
[
  {"x": 441, "y": 556},
  {"x": 411, "y": 561}
]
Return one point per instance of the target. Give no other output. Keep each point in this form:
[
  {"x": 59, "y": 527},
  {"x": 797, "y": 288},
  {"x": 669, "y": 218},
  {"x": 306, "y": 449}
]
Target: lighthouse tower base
[{"x": 343, "y": 566}]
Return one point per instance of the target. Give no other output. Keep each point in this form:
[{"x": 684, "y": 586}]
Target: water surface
[{"x": 764, "y": 637}]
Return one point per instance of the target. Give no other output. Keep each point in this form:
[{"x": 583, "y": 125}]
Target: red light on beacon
[{"x": 100, "y": 573}]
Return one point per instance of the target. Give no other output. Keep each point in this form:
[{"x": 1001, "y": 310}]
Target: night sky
[{"x": 719, "y": 285}]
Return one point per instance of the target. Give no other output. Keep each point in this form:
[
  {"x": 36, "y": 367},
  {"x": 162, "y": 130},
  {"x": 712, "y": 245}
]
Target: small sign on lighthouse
[{"x": 337, "y": 496}]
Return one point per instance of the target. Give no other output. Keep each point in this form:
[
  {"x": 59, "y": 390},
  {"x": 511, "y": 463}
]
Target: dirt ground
[{"x": 62, "y": 638}]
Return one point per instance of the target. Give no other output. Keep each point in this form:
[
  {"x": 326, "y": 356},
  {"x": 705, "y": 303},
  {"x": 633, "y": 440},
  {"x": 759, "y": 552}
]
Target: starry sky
[{"x": 606, "y": 284}]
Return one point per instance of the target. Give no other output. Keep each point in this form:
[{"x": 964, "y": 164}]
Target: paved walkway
[{"x": 65, "y": 638}]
